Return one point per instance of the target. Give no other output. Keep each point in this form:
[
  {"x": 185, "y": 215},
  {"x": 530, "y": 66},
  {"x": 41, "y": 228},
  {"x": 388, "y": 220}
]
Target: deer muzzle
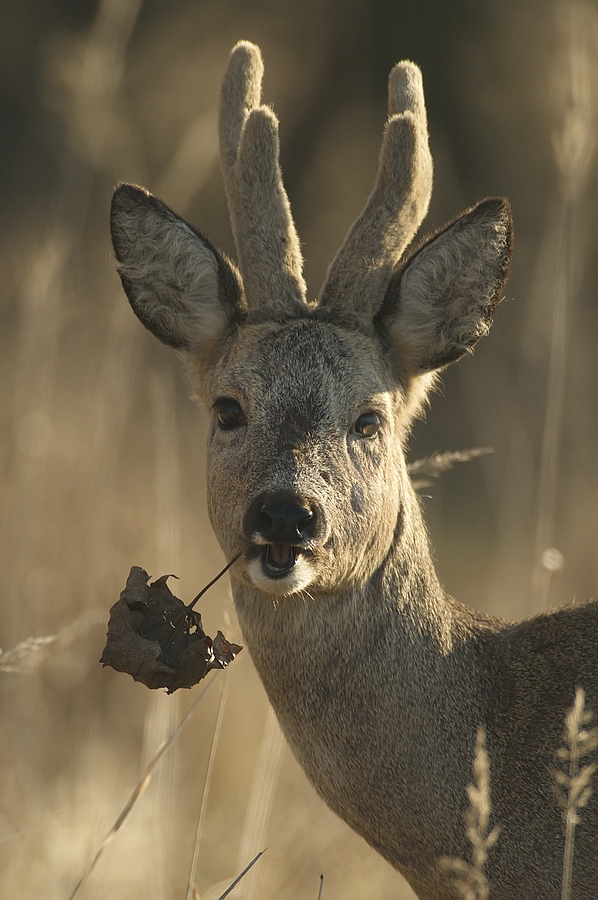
[{"x": 282, "y": 526}]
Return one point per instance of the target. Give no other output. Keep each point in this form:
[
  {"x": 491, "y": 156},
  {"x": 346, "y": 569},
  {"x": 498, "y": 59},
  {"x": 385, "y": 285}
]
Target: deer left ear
[{"x": 442, "y": 300}]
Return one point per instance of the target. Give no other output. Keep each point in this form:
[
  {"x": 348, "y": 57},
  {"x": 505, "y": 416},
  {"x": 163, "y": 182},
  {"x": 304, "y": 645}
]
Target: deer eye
[
  {"x": 367, "y": 425},
  {"x": 229, "y": 413}
]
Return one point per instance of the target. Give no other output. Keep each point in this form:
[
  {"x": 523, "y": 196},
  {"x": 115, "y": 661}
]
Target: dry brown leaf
[{"x": 159, "y": 641}]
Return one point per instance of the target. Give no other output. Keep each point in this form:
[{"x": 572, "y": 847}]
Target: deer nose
[{"x": 281, "y": 518}]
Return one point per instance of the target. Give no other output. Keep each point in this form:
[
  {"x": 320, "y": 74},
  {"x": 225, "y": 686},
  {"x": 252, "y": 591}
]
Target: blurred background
[{"x": 102, "y": 453}]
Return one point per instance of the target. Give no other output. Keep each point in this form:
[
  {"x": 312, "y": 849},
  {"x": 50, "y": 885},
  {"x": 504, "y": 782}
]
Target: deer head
[{"x": 311, "y": 401}]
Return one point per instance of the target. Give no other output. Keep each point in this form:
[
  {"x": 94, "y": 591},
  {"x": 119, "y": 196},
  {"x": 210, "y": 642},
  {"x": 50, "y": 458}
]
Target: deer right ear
[
  {"x": 442, "y": 300},
  {"x": 179, "y": 286}
]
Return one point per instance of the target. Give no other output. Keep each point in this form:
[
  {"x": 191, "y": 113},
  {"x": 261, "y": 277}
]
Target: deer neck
[{"x": 362, "y": 681}]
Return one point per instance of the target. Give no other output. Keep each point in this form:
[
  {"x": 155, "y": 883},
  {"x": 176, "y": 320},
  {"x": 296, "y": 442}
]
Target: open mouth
[
  {"x": 281, "y": 568},
  {"x": 278, "y": 559}
]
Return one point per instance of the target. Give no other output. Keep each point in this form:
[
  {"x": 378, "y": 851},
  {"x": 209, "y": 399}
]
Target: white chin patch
[{"x": 299, "y": 578}]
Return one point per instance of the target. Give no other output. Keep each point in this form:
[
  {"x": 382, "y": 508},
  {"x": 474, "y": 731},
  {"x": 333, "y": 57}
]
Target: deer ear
[
  {"x": 442, "y": 300},
  {"x": 180, "y": 287}
]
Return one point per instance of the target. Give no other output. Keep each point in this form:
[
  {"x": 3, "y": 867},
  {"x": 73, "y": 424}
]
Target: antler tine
[
  {"x": 240, "y": 93},
  {"x": 406, "y": 92},
  {"x": 359, "y": 274},
  {"x": 267, "y": 243},
  {"x": 268, "y": 246}
]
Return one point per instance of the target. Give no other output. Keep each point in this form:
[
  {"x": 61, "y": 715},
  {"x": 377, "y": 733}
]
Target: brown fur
[{"x": 379, "y": 679}]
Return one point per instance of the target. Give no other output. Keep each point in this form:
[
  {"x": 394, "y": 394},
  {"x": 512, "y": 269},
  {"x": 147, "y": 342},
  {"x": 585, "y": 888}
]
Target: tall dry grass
[
  {"x": 102, "y": 465},
  {"x": 470, "y": 878},
  {"x": 573, "y": 781}
]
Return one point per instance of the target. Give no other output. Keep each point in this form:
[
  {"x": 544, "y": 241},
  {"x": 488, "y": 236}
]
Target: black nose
[{"x": 281, "y": 518}]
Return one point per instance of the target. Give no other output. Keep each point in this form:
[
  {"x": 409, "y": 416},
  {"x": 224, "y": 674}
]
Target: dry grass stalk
[
  {"x": 244, "y": 872},
  {"x": 321, "y": 886},
  {"x": 422, "y": 470},
  {"x": 27, "y": 655},
  {"x": 574, "y": 146},
  {"x": 138, "y": 790},
  {"x": 259, "y": 805},
  {"x": 470, "y": 880},
  {"x": 572, "y": 787},
  {"x": 191, "y": 888}
]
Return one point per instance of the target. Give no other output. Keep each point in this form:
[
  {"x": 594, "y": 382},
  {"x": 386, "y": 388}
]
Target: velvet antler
[
  {"x": 361, "y": 270},
  {"x": 267, "y": 244}
]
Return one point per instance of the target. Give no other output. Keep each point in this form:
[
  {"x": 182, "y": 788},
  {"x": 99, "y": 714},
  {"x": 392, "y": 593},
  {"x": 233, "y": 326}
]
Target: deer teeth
[{"x": 279, "y": 559}]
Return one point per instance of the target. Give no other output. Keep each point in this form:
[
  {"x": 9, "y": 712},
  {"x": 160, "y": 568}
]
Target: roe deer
[{"x": 379, "y": 679}]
